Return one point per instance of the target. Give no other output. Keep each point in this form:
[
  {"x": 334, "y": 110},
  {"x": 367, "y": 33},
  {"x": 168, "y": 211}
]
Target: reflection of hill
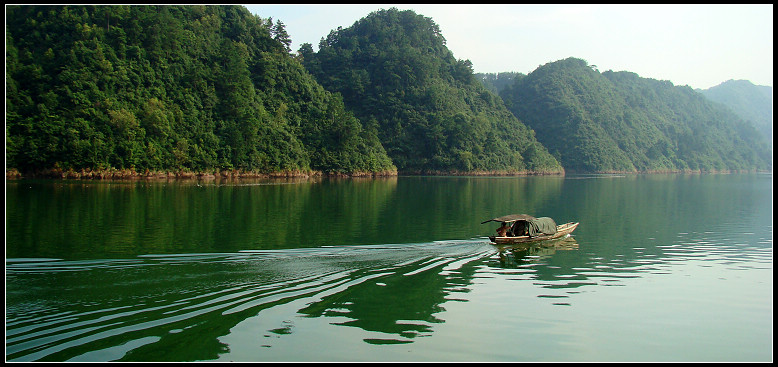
[
  {"x": 439, "y": 208},
  {"x": 403, "y": 302},
  {"x": 332, "y": 212},
  {"x": 266, "y": 304},
  {"x": 199, "y": 306},
  {"x": 637, "y": 224},
  {"x": 397, "y": 305},
  {"x": 95, "y": 219},
  {"x": 621, "y": 213}
]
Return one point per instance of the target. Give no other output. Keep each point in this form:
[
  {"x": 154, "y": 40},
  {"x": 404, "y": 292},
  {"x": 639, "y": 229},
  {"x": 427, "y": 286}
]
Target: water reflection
[
  {"x": 642, "y": 239},
  {"x": 249, "y": 305},
  {"x": 156, "y": 304},
  {"x": 512, "y": 256},
  {"x": 94, "y": 219}
]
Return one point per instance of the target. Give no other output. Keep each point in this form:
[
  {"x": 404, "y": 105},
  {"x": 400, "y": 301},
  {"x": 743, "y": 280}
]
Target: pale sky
[{"x": 696, "y": 45}]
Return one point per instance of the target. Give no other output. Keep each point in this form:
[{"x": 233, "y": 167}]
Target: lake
[{"x": 661, "y": 268}]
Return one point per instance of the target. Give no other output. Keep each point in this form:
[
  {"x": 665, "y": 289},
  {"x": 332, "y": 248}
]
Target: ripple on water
[{"x": 128, "y": 303}]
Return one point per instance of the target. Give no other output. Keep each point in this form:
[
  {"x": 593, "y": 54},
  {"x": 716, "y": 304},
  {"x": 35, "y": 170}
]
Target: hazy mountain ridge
[
  {"x": 749, "y": 101},
  {"x": 620, "y": 122}
]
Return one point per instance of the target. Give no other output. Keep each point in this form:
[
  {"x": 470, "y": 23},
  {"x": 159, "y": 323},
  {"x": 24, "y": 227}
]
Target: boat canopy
[
  {"x": 527, "y": 225},
  {"x": 534, "y": 227},
  {"x": 510, "y": 218}
]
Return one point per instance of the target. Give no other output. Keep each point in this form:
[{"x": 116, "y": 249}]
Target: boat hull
[{"x": 562, "y": 230}]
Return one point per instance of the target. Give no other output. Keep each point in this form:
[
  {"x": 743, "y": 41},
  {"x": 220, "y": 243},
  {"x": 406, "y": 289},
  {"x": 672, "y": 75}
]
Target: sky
[{"x": 696, "y": 45}]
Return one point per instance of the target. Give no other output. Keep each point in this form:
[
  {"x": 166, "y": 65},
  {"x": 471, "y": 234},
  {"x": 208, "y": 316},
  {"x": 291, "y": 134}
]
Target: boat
[{"x": 528, "y": 229}]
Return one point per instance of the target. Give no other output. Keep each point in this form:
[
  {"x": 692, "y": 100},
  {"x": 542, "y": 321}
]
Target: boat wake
[{"x": 138, "y": 309}]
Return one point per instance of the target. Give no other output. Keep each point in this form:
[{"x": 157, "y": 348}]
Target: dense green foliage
[
  {"x": 214, "y": 88},
  {"x": 751, "y": 102},
  {"x": 619, "y": 122},
  {"x": 170, "y": 88},
  {"x": 394, "y": 70}
]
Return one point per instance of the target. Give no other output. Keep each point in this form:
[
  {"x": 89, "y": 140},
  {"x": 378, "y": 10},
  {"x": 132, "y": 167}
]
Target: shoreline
[
  {"x": 128, "y": 174},
  {"x": 115, "y": 174}
]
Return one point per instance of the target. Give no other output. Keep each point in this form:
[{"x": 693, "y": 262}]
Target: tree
[{"x": 279, "y": 34}]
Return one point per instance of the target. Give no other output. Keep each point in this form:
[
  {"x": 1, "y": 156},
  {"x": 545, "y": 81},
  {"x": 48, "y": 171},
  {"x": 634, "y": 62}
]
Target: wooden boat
[{"x": 562, "y": 230}]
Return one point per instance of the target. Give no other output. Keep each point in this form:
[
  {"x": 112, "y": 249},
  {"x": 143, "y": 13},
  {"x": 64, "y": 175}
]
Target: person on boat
[
  {"x": 520, "y": 228},
  {"x": 503, "y": 231}
]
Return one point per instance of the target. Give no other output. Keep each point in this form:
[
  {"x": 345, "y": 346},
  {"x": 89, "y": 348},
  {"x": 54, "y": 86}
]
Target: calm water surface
[{"x": 662, "y": 268}]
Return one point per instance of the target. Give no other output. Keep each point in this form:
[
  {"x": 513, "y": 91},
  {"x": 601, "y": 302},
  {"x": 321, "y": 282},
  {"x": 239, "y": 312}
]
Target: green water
[{"x": 662, "y": 268}]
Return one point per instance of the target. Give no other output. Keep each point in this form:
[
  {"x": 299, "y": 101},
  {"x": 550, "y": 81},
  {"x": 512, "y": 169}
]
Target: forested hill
[
  {"x": 208, "y": 89},
  {"x": 395, "y": 72},
  {"x": 620, "y": 122},
  {"x": 751, "y": 102},
  {"x": 170, "y": 88}
]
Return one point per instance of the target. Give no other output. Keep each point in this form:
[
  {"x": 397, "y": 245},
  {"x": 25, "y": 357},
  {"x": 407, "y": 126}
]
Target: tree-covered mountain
[
  {"x": 170, "y": 88},
  {"x": 213, "y": 88},
  {"x": 751, "y": 102},
  {"x": 395, "y": 72},
  {"x": 620, "y": 122}
]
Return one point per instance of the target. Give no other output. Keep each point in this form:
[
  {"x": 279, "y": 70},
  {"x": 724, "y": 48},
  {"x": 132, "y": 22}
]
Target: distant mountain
[
  {"x": 751, "y": 102},
  {"x": 433, "y": 116},
  {"x": 620, "y": 122}
]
